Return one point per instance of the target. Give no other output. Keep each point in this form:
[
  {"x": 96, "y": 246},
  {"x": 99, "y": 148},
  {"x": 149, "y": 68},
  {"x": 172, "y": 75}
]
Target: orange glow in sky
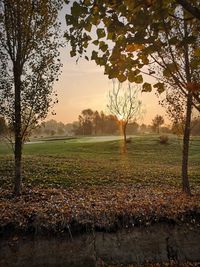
[{"x": 83, "y": 85}]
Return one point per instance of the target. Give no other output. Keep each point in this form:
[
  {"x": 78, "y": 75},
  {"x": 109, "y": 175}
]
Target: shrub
[
  {"x": 164, "y": 139},
  {"x": 129, "y": 140}
]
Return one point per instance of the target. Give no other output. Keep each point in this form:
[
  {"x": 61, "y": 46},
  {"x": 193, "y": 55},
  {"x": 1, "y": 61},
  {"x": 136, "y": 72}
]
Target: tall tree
[
  {"x": 137, "y": 38},
  {"x": 86, "y": 121},
  {"x": 157, "y": 122},
  {"x": 96, "y": 122},
  {"x": 29, "y": 65},
  {"x": 124, "y": 104}
]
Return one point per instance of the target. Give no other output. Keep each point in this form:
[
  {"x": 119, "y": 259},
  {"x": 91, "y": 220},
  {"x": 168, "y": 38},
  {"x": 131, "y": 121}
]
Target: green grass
[{"x": 84, "y": 162}]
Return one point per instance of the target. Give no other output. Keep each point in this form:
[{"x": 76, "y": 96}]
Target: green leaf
[
  {"x": 197, "y": 52},
  {"x": 111, "y": 35},
  {"x": 96, "y": 42},
  {"x": 100, "y": 61},
  {"x": 113, "y": 73},
  {"x": 88, "y": 27},
  {"x": 77, "y": 10},
  {"x": 87, "y": 2},
  {"x": 166, "y": 73},
  {"x": 160, "y": 87},
  {"x": 72, "y": 53},
  {"x": 146, "y": 87},
  {"x": 68, "y": 19},
  {"x": 170, "y": 68},
  {"x": 94, "y": 55},
  {"x": 121, "y": 78},
  {"x": 138, "y": 79},
  {"x": 101, "y": 33},
  {"x": 144, "y": 58},
  {"x": 103, "y": 46},
  {"x": 132, "y": 75}
]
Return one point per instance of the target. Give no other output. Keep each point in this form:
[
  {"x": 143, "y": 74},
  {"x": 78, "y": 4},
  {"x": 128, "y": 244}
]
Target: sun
[{"x": 120, "y": 117}]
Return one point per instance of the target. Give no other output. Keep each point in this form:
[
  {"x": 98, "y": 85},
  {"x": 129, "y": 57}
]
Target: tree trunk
[
  {"x": 186, "y": 141},
  {"x": 17, "y": 127},
  {"x": 124, "y": 133},
  {"x": 186, "y": 138},
  {"x": 124, "y": 136}
]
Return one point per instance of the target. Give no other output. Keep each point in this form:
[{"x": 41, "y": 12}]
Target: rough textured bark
[
  {"x": 124, "y": 132},
  {"x": 186, "y": 141},
  {"x": 17, "y": 125},
  {"x": 124, "y": 136},
  {"x": 186, "y": 137}
]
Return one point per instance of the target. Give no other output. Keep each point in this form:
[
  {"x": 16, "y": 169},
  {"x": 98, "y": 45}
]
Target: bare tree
[{"x": 124, "y": 104}]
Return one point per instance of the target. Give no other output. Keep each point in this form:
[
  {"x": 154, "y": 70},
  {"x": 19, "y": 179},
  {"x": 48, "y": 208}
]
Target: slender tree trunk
[
  {"x": 186, "y": 141},
  {"x": 18, "y": 137},
  {"x": 186, "y": 137},
  {"x": 124, "y": 133},
  {"x": 124, "y": 136}
]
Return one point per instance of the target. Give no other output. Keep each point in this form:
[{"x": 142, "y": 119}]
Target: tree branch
[{"x": 190, "y": 8}]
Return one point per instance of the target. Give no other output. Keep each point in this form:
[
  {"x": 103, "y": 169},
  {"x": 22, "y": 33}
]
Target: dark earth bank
[{"x": 155, "y": 245}]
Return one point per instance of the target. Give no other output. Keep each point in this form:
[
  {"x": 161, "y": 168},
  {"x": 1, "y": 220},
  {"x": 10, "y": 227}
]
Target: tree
[
  {"x": 132, "y": 128},
  {"x": 2, "y": 126},
  {"x": 175, "y": 105},
  {"x": 124, "y": 104},
  {"x": 29, "y": 66},
  {"x": 157, "y": 122},
  {"x": 86, "y": 121},
  {"x": 96, "y": 122},
  {"x": 143, "y": 128},
  {"x": 137, "y": 38},
  {"x": 110, "y": 124}
]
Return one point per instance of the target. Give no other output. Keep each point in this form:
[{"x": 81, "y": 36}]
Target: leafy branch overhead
[{"x": 132, "y": 39}]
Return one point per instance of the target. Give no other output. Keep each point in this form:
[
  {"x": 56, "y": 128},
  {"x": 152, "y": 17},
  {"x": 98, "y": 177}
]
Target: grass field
[
  {"x": 95, "y": 161},
  {"x": 87, "y": 183}
]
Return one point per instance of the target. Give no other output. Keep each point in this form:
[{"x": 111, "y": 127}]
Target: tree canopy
[
  {"x": 29, "y": 66},
  {"x": 133, "y": 38},
  {"x": 124, "y": 104}
]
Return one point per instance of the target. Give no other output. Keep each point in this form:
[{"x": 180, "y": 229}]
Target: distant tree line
[{"x": 98, "y": 123}]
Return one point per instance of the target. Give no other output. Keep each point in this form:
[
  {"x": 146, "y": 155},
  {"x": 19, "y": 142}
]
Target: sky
[{"x": 83, "y": 85}]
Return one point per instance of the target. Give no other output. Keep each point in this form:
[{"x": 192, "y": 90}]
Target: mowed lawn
[{"x": 86, "y": 162}]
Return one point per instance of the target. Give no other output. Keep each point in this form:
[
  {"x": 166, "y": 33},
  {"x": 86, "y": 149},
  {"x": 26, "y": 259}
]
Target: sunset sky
[{"x": 83, "y": 85}]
